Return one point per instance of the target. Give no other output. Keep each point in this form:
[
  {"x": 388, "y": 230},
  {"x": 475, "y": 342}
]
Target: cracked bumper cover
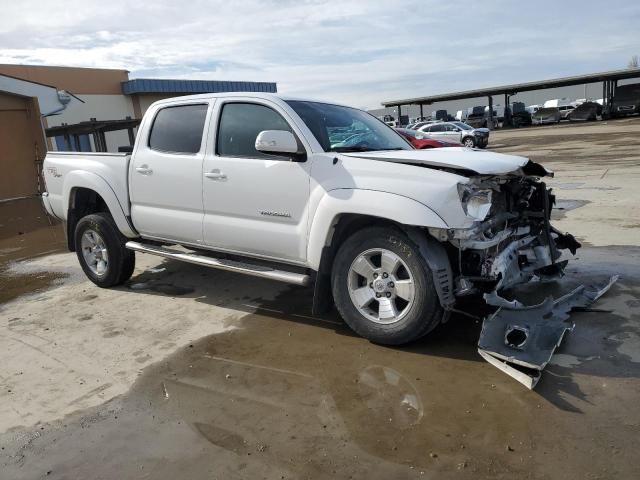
[{"x": 520, "y": 340}]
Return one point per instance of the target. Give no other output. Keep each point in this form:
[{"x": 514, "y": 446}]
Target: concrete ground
[{"x": 194, "y": 373}]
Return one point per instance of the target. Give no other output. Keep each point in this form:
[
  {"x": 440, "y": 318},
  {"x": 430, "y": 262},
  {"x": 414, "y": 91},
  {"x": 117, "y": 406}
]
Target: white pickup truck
[{"x": 310, "y": 193}]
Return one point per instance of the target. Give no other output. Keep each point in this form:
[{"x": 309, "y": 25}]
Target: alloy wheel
[
  {"x": 381, "y": 286},
  {"x": 94, "y": 252}
]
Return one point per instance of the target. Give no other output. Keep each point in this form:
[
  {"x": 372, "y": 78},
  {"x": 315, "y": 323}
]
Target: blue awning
[{"x": 153, "y": 85}]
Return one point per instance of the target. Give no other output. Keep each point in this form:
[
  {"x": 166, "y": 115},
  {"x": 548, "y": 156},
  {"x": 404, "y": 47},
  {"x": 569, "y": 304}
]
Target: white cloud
[{"x": 358, "y": 52}]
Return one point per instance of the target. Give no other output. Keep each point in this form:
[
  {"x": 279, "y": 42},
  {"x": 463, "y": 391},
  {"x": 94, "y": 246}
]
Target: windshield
[
  {"x": 345, "y": 129},
  {"x": 462, "y": 125}
]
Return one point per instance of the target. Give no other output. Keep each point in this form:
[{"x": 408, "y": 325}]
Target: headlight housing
[{"x": 476, "y": 202}]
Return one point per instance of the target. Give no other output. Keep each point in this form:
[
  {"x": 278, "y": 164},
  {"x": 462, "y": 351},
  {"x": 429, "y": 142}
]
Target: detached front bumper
[{"x": 520, "y": 340}]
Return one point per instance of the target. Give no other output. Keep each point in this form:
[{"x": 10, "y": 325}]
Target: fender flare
[
  {"x": 91, "y": 181},
  {"x": 385, "y": 205}
]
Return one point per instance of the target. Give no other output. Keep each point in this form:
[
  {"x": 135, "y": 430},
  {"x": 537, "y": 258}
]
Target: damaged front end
[
  {"x": 512, "y": 239},
  {"x": 510, "y": 242}
]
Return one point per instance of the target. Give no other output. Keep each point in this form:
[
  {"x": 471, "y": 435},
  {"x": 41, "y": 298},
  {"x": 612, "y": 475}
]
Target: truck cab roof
[{"x": 255, "y": 95}]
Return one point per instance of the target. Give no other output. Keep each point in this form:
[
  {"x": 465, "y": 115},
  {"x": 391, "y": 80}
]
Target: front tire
[
  {"x": 101, "y": 251},
  {"x": 383, "y": 288},
  {"x": 469, "y": 142}
]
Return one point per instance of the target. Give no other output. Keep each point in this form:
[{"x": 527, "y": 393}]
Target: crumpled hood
[{"x": 460, "y": 159}]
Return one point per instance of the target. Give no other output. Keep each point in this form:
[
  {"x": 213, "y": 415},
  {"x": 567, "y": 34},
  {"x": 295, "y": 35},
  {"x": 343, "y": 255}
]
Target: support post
[
  {"x": 399, "y": 114},
  {"x": 507, "y": 111},
  {"x": 607, "y": 109},
  {"x": 490, "y": 124},
  {"x": 421, "y": 113},
  {"x": 132, "y": 138}
]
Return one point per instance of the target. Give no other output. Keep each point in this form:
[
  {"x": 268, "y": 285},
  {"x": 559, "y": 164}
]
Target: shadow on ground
[{"x": 591, "y": 349}]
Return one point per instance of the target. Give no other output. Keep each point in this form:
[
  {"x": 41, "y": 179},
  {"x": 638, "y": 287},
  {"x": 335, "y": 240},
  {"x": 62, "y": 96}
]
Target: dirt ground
[{"x": 195, "y": 373}]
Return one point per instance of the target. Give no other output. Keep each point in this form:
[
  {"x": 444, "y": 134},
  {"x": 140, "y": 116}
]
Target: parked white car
[
  {"x": 389, "y": 234},
  {"x": 557, "y": 102},
  {"x": 461, "y": 115},
  {"x": 565, "y": 110},
  {"x": 457, "y": 132}
]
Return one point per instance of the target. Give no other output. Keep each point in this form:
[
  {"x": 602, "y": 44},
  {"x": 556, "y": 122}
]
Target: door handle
[
  {"x": 215, "y": 175},
  {"x": 144, "y": 170}
]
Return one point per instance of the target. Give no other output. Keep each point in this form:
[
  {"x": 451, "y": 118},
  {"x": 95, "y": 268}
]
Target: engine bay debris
[{"x": 520, "y": 340}]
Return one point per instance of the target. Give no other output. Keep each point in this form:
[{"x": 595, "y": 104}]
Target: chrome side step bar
[{"x": 222, "y": 264}]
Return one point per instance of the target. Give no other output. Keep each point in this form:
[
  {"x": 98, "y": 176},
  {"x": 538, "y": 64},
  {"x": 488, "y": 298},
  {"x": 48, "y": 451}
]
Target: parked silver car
[
  {"x": 546, "y": 115},
  {"x": 458, "y": 132}
]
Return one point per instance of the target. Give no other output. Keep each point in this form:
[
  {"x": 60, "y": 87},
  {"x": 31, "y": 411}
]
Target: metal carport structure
[{"x": 609, "y": 81}]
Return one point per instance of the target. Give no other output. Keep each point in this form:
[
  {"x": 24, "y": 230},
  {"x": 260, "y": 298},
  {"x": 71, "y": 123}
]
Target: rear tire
[
  {"x": 101, "y": 251},
  {"x": 383, "y": 288}
]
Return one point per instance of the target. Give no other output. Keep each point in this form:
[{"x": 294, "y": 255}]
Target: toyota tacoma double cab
[{"x": 264, "y": 185}]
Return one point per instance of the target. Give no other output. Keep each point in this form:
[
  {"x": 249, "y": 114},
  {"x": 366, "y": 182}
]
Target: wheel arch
[
  {"x": 85, "y": 193},
  {"x": 327, "y": 235},
  {"x": 466, "y": 137},
  {"x": 343, "y": 205}
]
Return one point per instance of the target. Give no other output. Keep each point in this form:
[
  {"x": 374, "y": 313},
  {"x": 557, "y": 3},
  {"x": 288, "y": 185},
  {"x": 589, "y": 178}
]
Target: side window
[
  {"x": 240, "y": 124},
  {"x": 437, "y": 128},
  {"x": 178, "y": 129}
]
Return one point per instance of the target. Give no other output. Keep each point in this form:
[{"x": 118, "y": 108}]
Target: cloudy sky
[{"x": 357, "y": 52}]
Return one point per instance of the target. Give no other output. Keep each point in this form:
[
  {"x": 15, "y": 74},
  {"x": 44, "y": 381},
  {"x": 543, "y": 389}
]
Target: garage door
[{"x": 21, "y": 146}]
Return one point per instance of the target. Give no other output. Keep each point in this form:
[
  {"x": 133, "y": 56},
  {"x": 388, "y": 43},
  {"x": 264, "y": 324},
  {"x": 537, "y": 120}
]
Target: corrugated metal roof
[
  {"x": 519, "y": 87},
  {"x": 157, "y": 85}
]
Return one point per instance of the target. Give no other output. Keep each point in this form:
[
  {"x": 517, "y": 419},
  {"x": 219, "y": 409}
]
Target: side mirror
[{"x": 276, "y": 141}]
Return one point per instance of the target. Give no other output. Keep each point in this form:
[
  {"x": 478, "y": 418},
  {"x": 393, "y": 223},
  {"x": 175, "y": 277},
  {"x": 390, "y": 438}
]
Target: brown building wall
[
  {"x": 87, "y": 81},
  {"x": 21, "y": 146}
]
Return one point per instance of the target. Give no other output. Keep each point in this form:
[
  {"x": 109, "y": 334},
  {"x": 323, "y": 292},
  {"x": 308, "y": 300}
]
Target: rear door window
[{"x": 178, "y": 129}]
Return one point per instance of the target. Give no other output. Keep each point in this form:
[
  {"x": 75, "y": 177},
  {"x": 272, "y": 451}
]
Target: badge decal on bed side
[{"x": 54, "y": 171}]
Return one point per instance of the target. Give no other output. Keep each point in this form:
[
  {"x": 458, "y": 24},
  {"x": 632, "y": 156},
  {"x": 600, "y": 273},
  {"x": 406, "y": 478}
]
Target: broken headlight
[{"x": 476, "y": 202}]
